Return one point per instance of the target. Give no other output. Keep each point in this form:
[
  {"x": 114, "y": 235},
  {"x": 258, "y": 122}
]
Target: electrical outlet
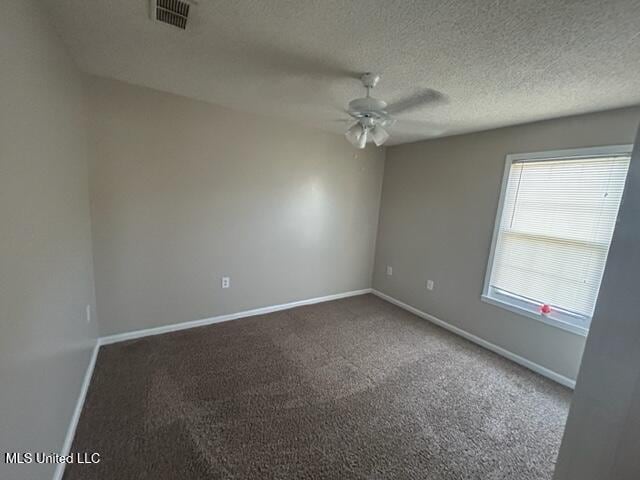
[
  {"x": 430, "y": 284},
  {"x": 389, "y": 270},
  {"x": 88, "y": 313},
  {"x": 226, "y": 282}
]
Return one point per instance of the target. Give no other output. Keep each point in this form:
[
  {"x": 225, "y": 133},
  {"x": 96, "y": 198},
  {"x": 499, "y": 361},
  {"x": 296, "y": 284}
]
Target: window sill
[{"x": 547, "y": 319}]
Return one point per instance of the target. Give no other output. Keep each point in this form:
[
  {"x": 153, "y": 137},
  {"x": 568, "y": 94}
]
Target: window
[{"x": 552, "y": 234}]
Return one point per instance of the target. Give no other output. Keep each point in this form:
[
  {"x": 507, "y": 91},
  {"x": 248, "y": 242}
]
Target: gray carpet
[{"x": 355, "y": 388}]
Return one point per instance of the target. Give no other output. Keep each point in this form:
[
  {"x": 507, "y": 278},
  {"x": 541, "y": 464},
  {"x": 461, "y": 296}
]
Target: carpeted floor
[{"x": 355, "y": 388}]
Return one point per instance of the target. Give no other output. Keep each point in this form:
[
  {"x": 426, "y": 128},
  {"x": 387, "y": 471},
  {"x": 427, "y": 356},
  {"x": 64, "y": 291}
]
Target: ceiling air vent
[{"x": 173, "y": 12}]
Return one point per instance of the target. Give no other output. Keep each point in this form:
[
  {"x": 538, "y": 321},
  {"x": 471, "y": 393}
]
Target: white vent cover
[{"x": 171, "y": 12}]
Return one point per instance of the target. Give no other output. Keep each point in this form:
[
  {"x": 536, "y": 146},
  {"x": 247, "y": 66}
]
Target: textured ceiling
[{"x": 495, "y": 62}]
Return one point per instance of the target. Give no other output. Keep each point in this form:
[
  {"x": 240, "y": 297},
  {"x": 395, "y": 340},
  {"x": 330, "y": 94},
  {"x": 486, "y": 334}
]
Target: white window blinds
[{"x": 555, "y": 229}]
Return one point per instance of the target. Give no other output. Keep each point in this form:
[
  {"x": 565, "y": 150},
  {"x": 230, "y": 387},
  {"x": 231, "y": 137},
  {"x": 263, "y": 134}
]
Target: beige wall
[
  {"x": 45, "y": 239},
  {"x": 437, "y": 215},
  {"x": 184, "y": 192},
  {"x": 602, "y": 437}
]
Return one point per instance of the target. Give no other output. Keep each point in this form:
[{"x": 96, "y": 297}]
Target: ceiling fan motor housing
[{"x": 368, "y": 106}]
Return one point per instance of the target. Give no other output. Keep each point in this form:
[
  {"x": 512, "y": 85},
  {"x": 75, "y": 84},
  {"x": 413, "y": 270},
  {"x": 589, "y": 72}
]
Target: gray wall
[
  {"x": 45, "y": 240},
  {"x": 437, "y": 215},
  {"x": 184, "y": 192},
  {"x": 602, "y": 436}
]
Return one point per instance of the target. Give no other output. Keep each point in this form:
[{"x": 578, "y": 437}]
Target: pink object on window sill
[{"x": 545, "y": 309}]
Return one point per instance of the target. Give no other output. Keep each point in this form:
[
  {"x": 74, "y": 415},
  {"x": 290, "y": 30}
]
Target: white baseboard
[
  {"x": 121, "y": 337},
  {"x": 59, "y": 472},
  {"x": 561, "y": 379},
  {"x": 71, "y": 431}
]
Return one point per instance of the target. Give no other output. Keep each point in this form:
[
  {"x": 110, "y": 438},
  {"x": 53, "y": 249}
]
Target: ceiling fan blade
[
  {"x": 417, "y": 128},
  {"x": 416, "y": 100},
  {"x": 347, "y": 121}
]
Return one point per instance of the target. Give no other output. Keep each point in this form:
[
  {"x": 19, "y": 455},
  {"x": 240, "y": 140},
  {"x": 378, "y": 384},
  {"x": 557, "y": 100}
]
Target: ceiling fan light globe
[
  {"x": 379, "y": 135},
  {"x": 354, "y": 133},
  {"x": 388, "y": 121},
  {"x": 362, "y": 139}
]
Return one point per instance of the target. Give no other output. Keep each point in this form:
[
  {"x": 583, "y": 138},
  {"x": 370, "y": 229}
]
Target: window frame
[{"x": 564, "y": 320}]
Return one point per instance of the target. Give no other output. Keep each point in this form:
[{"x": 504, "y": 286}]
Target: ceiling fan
[{"x": 374, "y": 117}]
